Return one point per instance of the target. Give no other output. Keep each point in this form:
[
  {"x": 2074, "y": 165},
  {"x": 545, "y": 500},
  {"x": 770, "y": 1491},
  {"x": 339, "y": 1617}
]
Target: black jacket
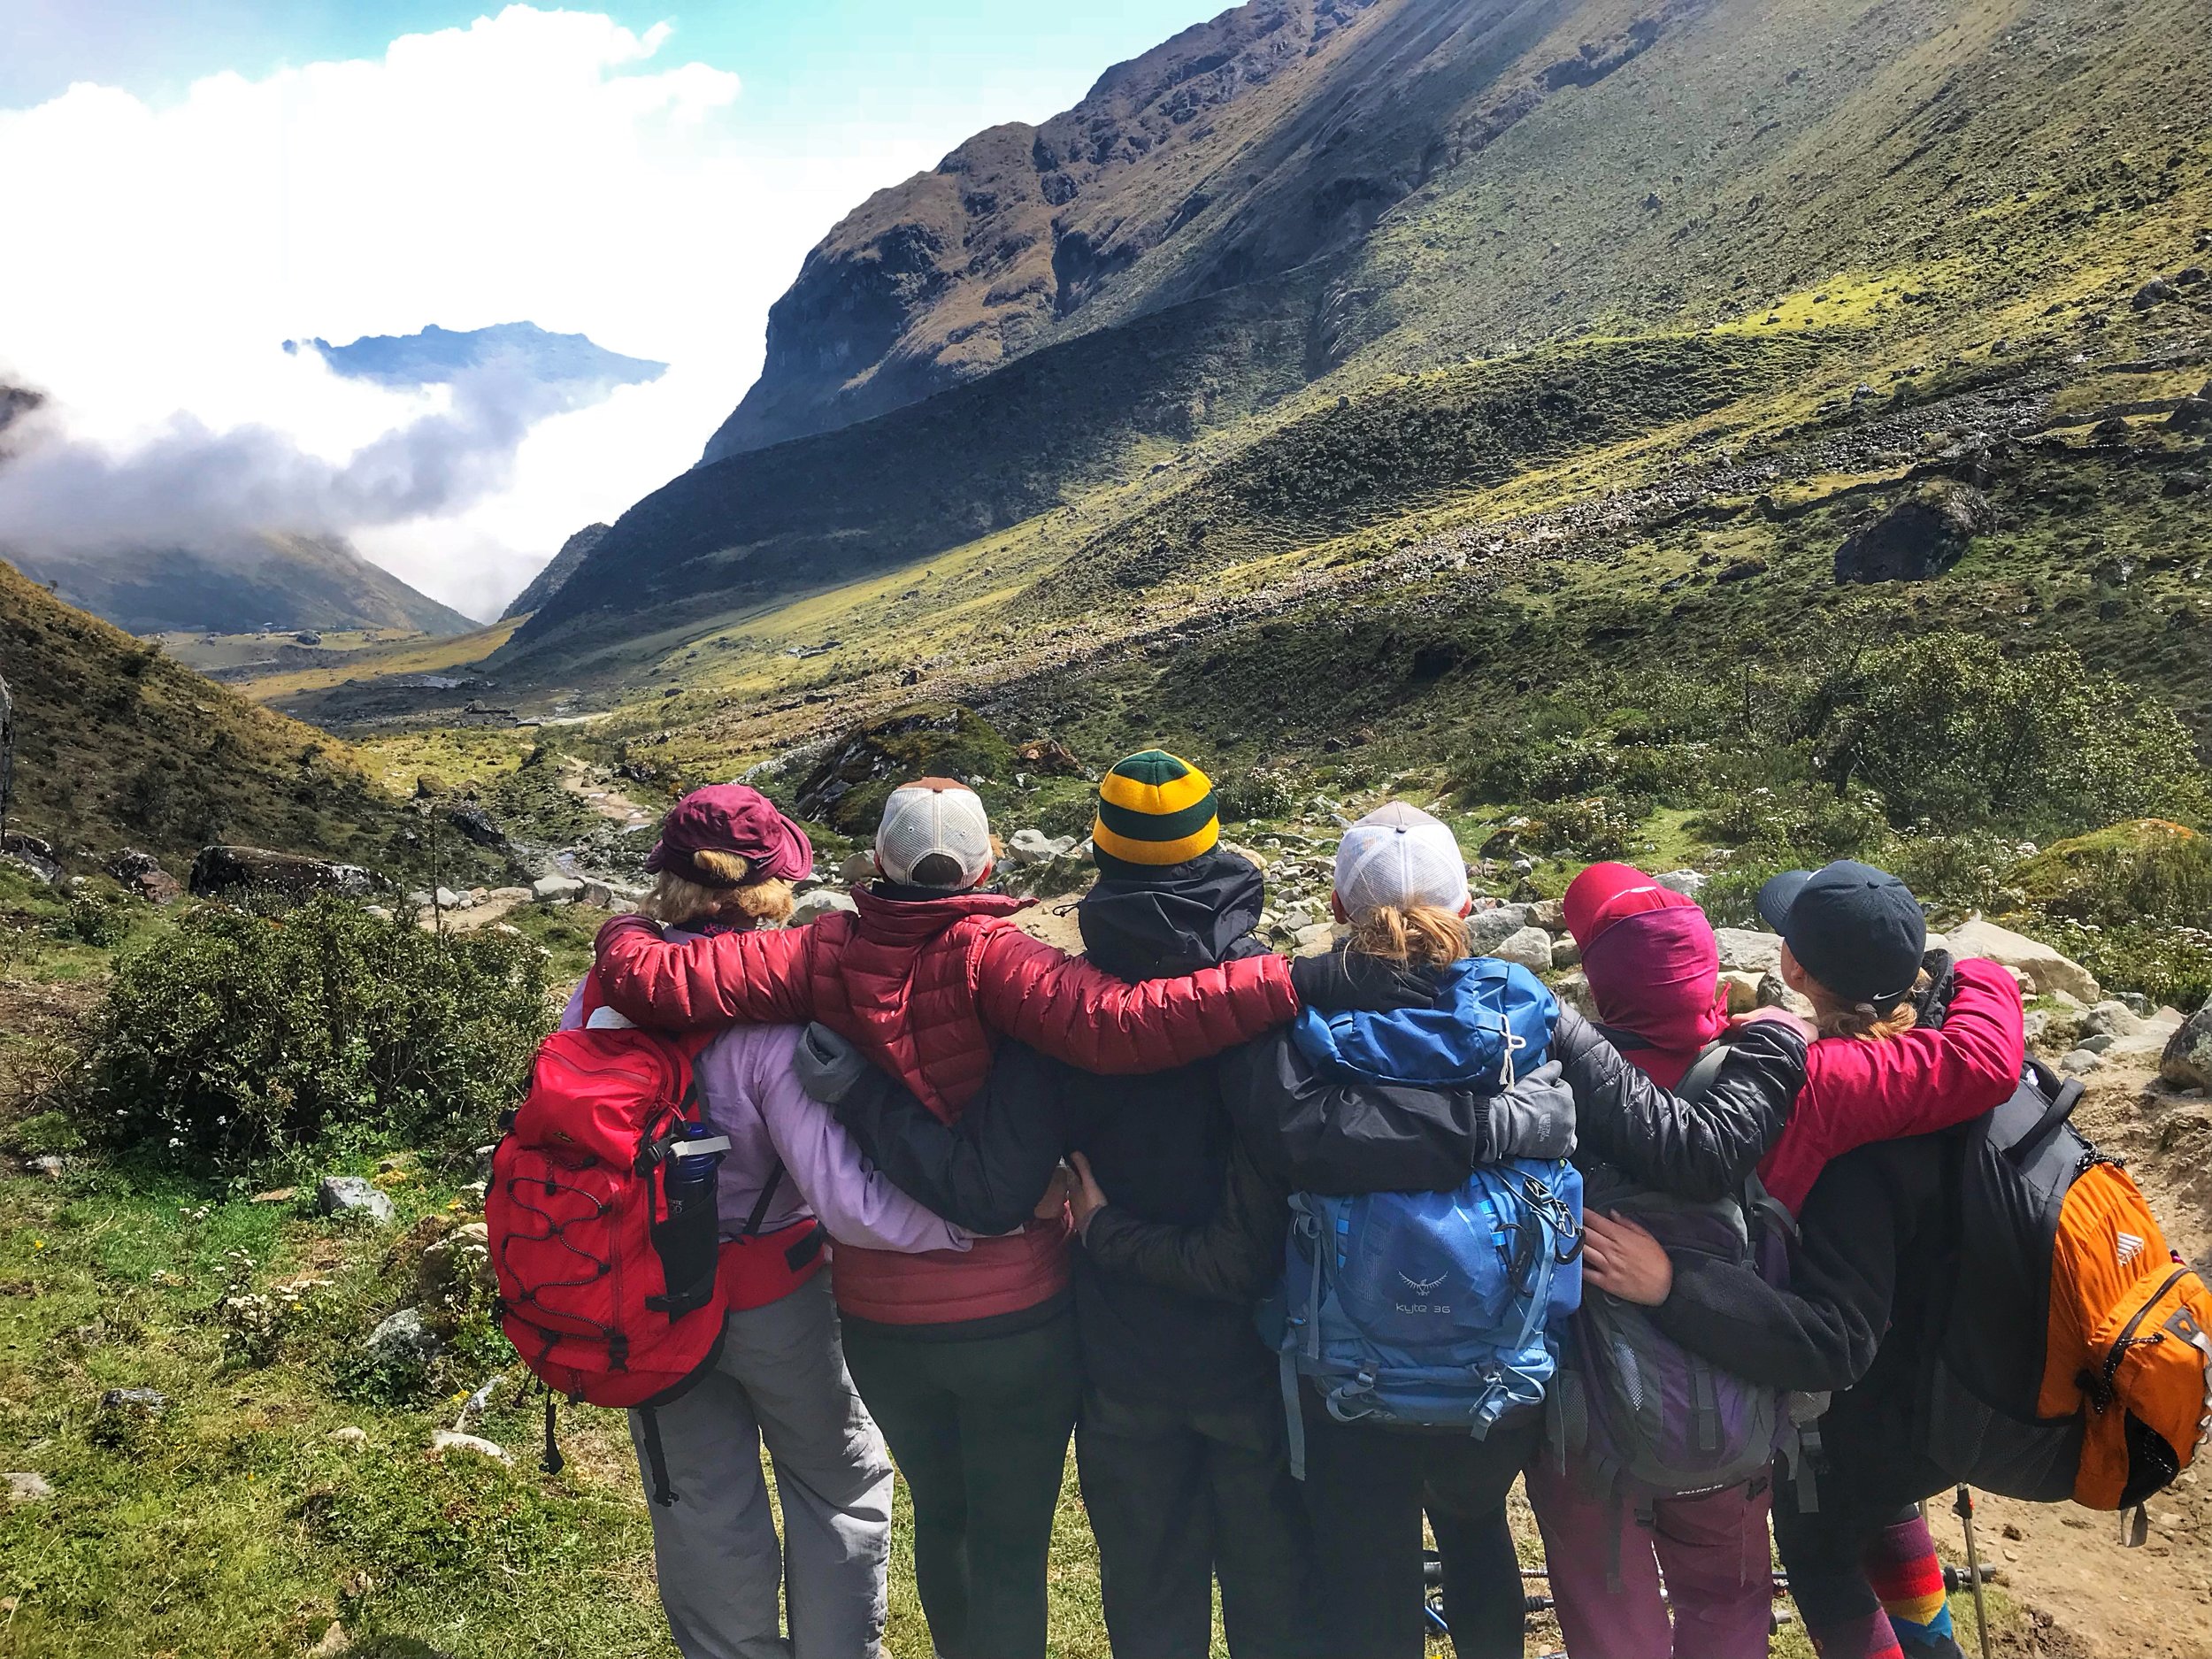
[
  {"x": 1315, "y": 1132},
  {"x": 1159, "y": 1145}
]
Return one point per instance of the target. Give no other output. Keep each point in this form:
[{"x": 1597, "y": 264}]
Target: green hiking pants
[{"x": 980, "y": 1429}]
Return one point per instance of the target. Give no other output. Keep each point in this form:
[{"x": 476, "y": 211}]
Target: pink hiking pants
[{"x": 1712, "y": 1549}]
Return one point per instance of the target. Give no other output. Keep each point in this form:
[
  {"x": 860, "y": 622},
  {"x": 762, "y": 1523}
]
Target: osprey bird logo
[{"x": 1423, "y": 1287}]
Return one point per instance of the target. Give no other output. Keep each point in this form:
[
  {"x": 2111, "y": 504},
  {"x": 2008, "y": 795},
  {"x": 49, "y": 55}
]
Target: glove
[
  {"x": 827, "y": 1066},
  {"x": 1351, "y": 982},
  {"x": 1535, "y": 1118}
]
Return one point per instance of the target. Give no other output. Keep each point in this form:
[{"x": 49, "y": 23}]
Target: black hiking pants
[
  {"x": 1179, "y": 1497},
  {"x": 1366, "y": 1488}
]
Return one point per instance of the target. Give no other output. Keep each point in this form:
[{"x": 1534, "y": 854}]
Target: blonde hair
[
  {"x": 1420, "y": 936},
  {"x": 676, "y": 902},
  {"x": 1832, "y": 1017}
]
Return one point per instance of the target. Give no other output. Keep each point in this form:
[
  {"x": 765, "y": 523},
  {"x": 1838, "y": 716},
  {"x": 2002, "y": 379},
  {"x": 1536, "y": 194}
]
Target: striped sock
[{"x": 1901, "y": 1566}]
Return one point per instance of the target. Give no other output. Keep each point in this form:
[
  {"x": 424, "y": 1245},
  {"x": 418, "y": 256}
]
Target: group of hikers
[{"x": 1143, "y": 1196}]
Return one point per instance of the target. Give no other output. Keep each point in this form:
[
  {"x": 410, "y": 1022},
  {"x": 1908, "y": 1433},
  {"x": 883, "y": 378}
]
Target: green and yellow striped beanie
[{"x": 1156, "y": 810}]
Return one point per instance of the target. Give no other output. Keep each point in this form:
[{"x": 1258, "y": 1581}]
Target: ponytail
[
  {"x": 1420, "y": 936},
  {"x": 1832, "y": 1017}
]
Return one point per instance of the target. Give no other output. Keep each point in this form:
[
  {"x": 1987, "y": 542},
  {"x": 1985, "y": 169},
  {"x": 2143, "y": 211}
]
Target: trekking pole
[{"x": 1964, "y": 1510}]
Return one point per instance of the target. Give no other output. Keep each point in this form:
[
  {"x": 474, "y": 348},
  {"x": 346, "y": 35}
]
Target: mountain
[
  {"x": 557, "y": 570},
  {"x": 1629, "y": 208},
  {"x": 118, "y": 745},
  {"x": 436, "y": 355},
  {"x": 285, "y": 581}
]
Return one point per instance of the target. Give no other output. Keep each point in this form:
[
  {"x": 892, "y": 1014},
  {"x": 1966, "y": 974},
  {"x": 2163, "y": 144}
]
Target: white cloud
[{"x": 550, "y": 166}]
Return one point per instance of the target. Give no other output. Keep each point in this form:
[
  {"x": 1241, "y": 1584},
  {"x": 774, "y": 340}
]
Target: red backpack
[{"x": 603, "y": 1225}]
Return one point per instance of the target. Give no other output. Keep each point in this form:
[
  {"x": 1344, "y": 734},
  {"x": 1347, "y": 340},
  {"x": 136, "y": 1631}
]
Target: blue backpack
[{"x": 1431, "y": 1309}]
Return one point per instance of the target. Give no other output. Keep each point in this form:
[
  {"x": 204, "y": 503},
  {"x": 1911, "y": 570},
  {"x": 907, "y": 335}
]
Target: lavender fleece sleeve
[{"x": 851, "y": 1198}]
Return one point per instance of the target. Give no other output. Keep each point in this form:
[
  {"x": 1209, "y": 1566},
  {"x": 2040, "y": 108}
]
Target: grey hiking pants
[{"x": 781, "y": 1380}]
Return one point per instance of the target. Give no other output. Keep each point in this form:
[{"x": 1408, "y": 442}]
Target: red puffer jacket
[{"x": 920, "y": 985}]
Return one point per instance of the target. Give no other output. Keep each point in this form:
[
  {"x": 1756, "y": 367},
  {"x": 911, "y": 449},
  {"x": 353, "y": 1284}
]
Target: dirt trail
[{"x": 600, "y": 795}]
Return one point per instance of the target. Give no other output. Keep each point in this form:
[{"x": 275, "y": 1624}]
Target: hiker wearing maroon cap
[
  {"x": 724, "y": 865},
  {"x": 971, "y": 1357},
  {"x": 1910, "y": 1042}
]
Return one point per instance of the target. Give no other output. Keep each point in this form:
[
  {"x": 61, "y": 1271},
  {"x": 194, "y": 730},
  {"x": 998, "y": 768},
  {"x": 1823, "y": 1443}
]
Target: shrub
[
  {"x": 1242, "y": 795},
  {"x": 2172, "y": 966},
  {"x": 1952, "y": 735},
  {"x": 237, "y": 1035},
  {"x": 1956, "y": 873},
  {"x": 2144, "y": 871},
  {"x": 1593, "y": 829}
]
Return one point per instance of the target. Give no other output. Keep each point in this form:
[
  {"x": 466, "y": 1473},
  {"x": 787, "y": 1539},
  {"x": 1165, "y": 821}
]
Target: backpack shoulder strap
[
  {"x": 1704, "y": 1071},
  {"x": 760, "y": 1204}
]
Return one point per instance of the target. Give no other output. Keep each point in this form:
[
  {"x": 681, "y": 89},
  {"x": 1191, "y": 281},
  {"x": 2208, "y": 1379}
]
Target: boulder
[
  {"x": 819, "y": 903},
  {"x": 351, "y": 1195},
  {"x": 243, "y": 871},
  {"x": 461, "y": 1260},
  {"x": 403, "y": 1335},
  {"x": 1920, "y": 537},
  {"x": 597, "y": 895},
  {"x": 141, "y": 873},
  {"x": 858, "y": 870},
  {"x": 26, "y": 1487},
  {"x": 1549, "y": 914},
  {"x": 2098, "y": 877},
  {"x": 1573, "y": 991},
  {"x": 555, "y": 889},
  {"x": 1531, "y": 946},
  {"x": 446, "y": 899},
  {"x": 475, "y": 824},
  {"x": 1748, "y": 950},
  {"x": 1565, "y": 953},
  {"x": 2191, "y": 414},
  {"x": 1048, "y": 759},
  {"x": 1034, "y": 846},
  {"x": 2157, "y": 291},
  {"x": 2048, "y": 971},
  {"x": 1742, "y": 988},
  {"x": 475, "y": 1445},
  {"x": 1689, "y": 883},
  {"x": 1317, "y": 940},
  {"x": 1490, "y": 928},
  {"x": 2079, "y": 1061},
  {"x": 2186, "y": 1061},
  {"x": 2112, "y": 1018}
]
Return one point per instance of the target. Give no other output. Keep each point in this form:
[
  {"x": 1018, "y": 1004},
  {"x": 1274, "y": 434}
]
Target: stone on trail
[
  {"x": 2081, "y": 1060},
  {"x": 26, "y": 1487},
  {"x": 1531, "y": 946},
  {"x": 2047, "y": 971},
  {"x": 2188, "y": 1060},
  {"x": 351, "y": 1195},
  {"x": 820, "y": 903},
  {"x": 1747, "y": 950},
  {"x": 555, "y": 889},
  {"x": 452, "y": 1440}
]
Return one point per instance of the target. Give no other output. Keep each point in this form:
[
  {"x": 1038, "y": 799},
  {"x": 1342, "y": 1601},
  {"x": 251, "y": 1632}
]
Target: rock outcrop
[
  {"x": 239, "y": 872},
  {"x": 557, "y": 570},
  {"x": 1920, "y": 537}
]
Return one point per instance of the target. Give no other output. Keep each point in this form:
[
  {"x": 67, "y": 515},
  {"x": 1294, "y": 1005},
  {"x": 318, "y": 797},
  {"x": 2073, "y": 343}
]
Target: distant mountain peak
[{"x": 434, "y": 357}]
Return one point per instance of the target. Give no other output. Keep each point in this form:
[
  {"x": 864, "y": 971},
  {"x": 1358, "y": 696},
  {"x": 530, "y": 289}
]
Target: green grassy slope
[{"x": 117, "y": 745}]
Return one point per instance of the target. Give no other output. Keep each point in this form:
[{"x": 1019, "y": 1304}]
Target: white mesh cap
[
  {"x": 934, "y": 815},
  {"x": 1399, "y": 855}
]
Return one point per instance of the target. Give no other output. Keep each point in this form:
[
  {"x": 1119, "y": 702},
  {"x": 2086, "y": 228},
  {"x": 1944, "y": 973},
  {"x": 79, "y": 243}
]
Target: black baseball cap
[{"x": 1857, "y": 930}]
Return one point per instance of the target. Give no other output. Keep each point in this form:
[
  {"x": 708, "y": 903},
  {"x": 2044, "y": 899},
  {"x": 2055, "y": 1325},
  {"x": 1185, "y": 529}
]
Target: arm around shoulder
[{"x": 751, "y": 978}]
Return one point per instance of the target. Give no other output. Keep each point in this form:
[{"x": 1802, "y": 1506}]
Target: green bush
[
  {"x": 2172, "y": 966},
  {"x": 1952, "y": 735},
  {"x": 239, "y": 1035}
]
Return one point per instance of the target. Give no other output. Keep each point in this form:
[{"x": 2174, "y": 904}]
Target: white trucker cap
[
  {"x": 1399, "y": 855},
  {"x": 934, "y": 815}
]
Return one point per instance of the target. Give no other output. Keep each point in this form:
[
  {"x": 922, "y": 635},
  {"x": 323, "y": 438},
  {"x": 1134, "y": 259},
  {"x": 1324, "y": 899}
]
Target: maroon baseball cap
[
  {"x": 1605, "y": 893},
  {"x": 731, "y": 818}
]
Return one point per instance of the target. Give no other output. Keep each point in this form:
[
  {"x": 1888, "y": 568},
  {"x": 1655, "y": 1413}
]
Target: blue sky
[
  {"x": 187, "y": 184},
  {"x": 806, "y": 64}
]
